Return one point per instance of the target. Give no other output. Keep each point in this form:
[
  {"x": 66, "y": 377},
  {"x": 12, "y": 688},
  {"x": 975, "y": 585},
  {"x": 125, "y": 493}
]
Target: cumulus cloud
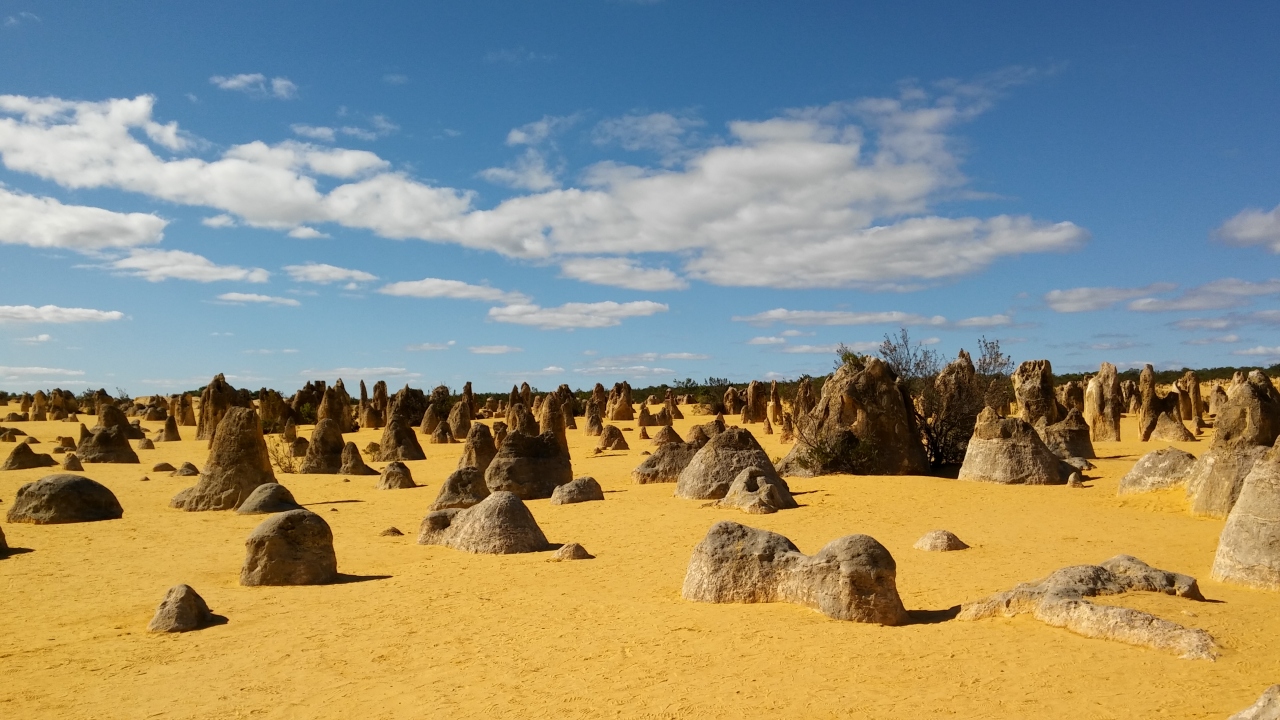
[
  {"x": 323, "y": 274},
  {"x": 1217, "y": 340},
  {"x": 44, "y": 222},
  {"x": 527, "y": 172},
  {"x": 1259, "y": 351},
  {"x": 158, "y": 265},
  {"x": 36, "y": 339},
  {"x": 312, "y": 132},
  {"x": 26, "y": 373},
  {"x": 662, "y": 133},
  {"x": 1253, "y": 227},
  {"x": 493, "y": 349},
  {"x": 985, "y": 321},
  {"x": 256, "y": 84},
  {"x": 306, "y": 233},
  {"x": 55, "y": 314},
  {"x": 455, "y": 289},
  {"x": 1216, "y": 295},
  {"x": 838, "y": 317},
  {"x": 1231, "y": 320},
  {"x": 1087, "y": 299},
  {"x": 238, "y": 298},
  {"x": 621, "y": 272},
  {"x": 812, "y": 349},
  {"x": 575, "y": 315},
  {"x": 833, "y": 196},
  {"x": 424, "y": 347},
  {"x": 219, "y": 221},
  {"x": 767, "y": 340}
]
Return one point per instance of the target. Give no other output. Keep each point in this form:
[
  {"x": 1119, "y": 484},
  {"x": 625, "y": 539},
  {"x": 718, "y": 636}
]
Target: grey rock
[
  {"x": 714, "y": 468},
  {"x": 24, "y": 458},
  {"x": 238, "y": 462},
  {"x": 1249, "y": 547},
  {"x": 268, "y": 498},
  {"x": 665, "y": 464},
  {"x": 57, "y": 499},
  {"x": 758, "y": 492},
  {"x": 583, "y": 489},
  {"x": 940, "y": 541},
  {"x": 464, "y": 488},
  {"x": 1267, "y": 707},
  {"x": 181, "y": 610},
  {"x": 529, "y": 466},
  {"x": 396, "y": 476},
  {"x": 501, "y": 524},
  {"x": 1008, "y": 451},
  {"x": 1158, "y": 469},
  {"x": 290, "y": 548}
]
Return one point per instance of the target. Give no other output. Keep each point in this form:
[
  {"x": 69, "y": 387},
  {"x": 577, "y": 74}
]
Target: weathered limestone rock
[
  {"x": 1069, "y": 437},
  {"x": 530, "y": 466},
  {"x": 940, "y": 541},
  {"x": 163, "y": 467},
  {"x": 665, "y": 464},
  {"x": 479, "y": 450},
  {"x": 775, "y": 404},
  {"x": 1060, "y": 600},
  {"x": 238, "y": 462},
  {"x": 1103, "y": 404},
  {"x": 1218, "y": 476},
  {"x": 733, "y": 402},
  {"x": 335, "y": 405},
  {"x": 396, "y": 476},
  {"x": 460, "y": 420},
  {"x": 612, "y": 439},
  {"x": 851, "y": 578},
  {"x": 216, "y": 398},
  {"x": 324, "y": 452},
  {"x": 499, "y": 525},
  {"x": 1151, "y": 405},
  {"x": 754, "y": 491},
  {"x": 353, "y": 463},
  {"x": 619, "y": 406},
  {"x": 399, "y": 442},
  {"x": 290, "y": 548},
  {"x": 571, "y": 551},
  {"x": 268, "y": 498},
  {"x": 170, "y": 431},
  {"x": 700, "y": 435},
  {"x": 645, "y": 418},
  {"x": 594, "y": 424},
  {"x": 1267, "y": 707},
  {"x": 1158, "y": 469},
  {"x": 1248, "y": 422},
  {"x": 109, "y": 441},
  {"x": 71, "y": 463},
  {"x": 583, "y": 489},
  {"x": 1249, "y": 547},
  {"x": 462, "y": 489},
  {"x": 1217, "y": 397},
  {"x": 181, "y": 610},
  {"x": 442, "y": 435},
  {"x": 186, "y": 469},
  {"x": 1170, "y": 429},
  {"x": 24, "y": 458},
  {"x": 299, "y": 447},
  {"x": 57, "y": 499},
  {"x": 714, "y": 468},
  {"x": 520, "y": 418},
  {"x": 756, "y": 408},
  {"x": 1033, "y": 392},
  {"x": 865, "y": 398},
  {"x": 1008, "y": 451},
  {"x": 146, "y": 444},
  {"x": 666, "y": 434}
]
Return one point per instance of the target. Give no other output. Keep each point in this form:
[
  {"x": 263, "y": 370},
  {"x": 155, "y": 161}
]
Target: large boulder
[
  {"x": 1033, "y": 392},
  {"x": 479, "y": 450},
  {"x": 109, "y": 440},
  {"x": 756, "y": 408},
  {"x": 714, "y": 468},
  {"x": 1061, "y": 600},
  {"x": 238, "y": 462},
  {"x": 462, "y": 489},
  {"x": 169, "y": 433},
  {"x": 583, "y": 489},
  {"x": 1245, "y": 427},
  {"x": 1103, "y": 404},
  {"x": 1249, "y": 547},
  {"x": 290, "y": 548},
  {"x": 665, "y": 464},
  {"x": 335, "y": 405},
  {"x": 24, "y": 458},
  {"x": 56, "y": 499},
  {"x": 1251, "y": 414},
  {"x": 758, "y": 492},
  {"x": 666, "y": 434},
  {"x": 851, "y": 578},
  {"x": 396, "y": 476},
  {"x": 181, "y": 610},
  {"x": 1267, "y": 707},
  {"x": 1069, "y": 437},
  {"x": 1170, "y": 429},
  {"x": 1158, "y": 469},
  {"x": 940, "y": 541},
  {"x": 460, "y": 420},
  {"x": 863, "y": 397},
  {"x": 612, "y": 439},
  {"x": 399, "y": 442},
  {"x": 499, "y": 525},
  {"x": 324, "y": 452},
  {"x": 619, "y": 406},
  {"x": 530, "y": 466},
  {"x": 268, "y": 498},
  {"x": 1008, "y": 451},
  {"x": 215, "y": 400}
]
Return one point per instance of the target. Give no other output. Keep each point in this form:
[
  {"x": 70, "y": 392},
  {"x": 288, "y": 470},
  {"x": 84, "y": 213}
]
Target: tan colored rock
[
  {"x": 1008, "y": 451},
  {"x": 529, "y": 466},
  {"x": 571, "y": 551},
  {"x": 267, "y": 499},
  {"x": 62, "y": 498},
  {"x": 1158, "y": 469},
  {"x": 24, "y": 458},
  {"x": 665, "y": 464},
  {"x": 1103, "y": 404},
  {"x": 940, "y": 541},
  {"x": 479, "y": 449},
  {"x": 1060, "y": 600},
  {"x": 851, "y": 578},
  {"x": 399, "y": 442},
  {"x": 181, "y": 610},
  {"x": 612, "y": 439},
  {"x": 353, "y": 463},
  {"x": 396, "y": 476},
  {"x": 583, "y": 489},
  {"x": 1170, "y": 429},
  {"x": 1249, "y": 547},
  {"x": 216, "y": 398},
  {"x": 1267, "y": 707},
  {"x": 501, "y": 524},
  {"x": 324, "y": 452},
  {"x": 238, "y": 463},
  {"x": 1033, "y": 392},
  {"x": 290, "y": 548},
  {"x": 1068, "y": 437},
  {"x": 757, "y": 492},
  {"x": 463, "y": 488},
  {"x": 714, "y": 468}
]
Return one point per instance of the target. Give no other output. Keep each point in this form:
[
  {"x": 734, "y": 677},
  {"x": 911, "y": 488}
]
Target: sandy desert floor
[{"x": 418, "y": 631}]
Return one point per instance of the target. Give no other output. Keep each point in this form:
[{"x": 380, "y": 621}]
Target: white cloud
[
  {"x": 219, "y": 221},
  {"x": 814, "y": 349},
  {"x": 306, "y": 233},
  {"x": 767, "y": 340},
  {"x": 21, "y": 373},
  {"x": 241, "y": 298},
  {"x": 539, "y": 131},
  {"x": 575, "y": 315},
  {"x": 158, "y": 265},
  {"x": 1087, "y": 299},
  {"x": 44, "y": 222},
  {"x": 323, "y": 274},
  {"x": 528, "y": 172},
  {"x": 834, "y": 196},
  {"x": 312, "y": 132},
  {"x": 648, "y": 357},
  {"x": 456, "y": 289},
  {"x": 36, "y": 339},
  {"x": 985, "y": 321},
  {"x": 395, "y": 79},
  {"x": 21, "y": 18},
  {"x": 796, "y": 333},
  {"x": 257, "y": 84},
  {"x": 1218, "y": 340},
  {"x": 1216, "y": 295},
  {"x": 55, "y": 314},
  {"x": 421, "y": 347},
  {"x": 621, "y": 272},
  {"x": 516, "y": 56},
  {"x": 494, "y": 349},
  {"x": 356, "y": 373},
  {"x": 624, "y": 370},
  {"x": 838, "y": 317},
  {"x": 662, "y": 133},
  {"x": 1253, "y": 227},
  {"x": 1259, "y": 351}
]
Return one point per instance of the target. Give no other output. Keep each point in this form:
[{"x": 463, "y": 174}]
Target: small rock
[
  {"x": 181, "y": 610},
  {"x": 940, "y": 541},
  {"x": 145, "y": 479},
  {"x": 391, "y": 532},
  {"x": 571, "y": 551}
]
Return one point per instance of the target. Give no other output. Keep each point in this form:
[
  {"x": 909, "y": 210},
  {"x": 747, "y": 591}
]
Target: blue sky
[{"x": 591, "y": 191}]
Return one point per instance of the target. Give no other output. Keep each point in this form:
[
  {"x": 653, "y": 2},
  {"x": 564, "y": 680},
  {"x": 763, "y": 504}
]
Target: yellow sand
[{"x": 432, "y": 632}]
